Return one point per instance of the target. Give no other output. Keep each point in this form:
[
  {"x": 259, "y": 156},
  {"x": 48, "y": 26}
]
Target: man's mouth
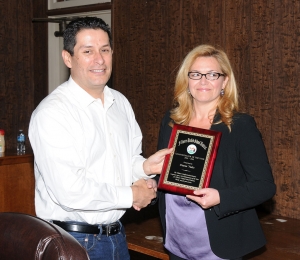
[{"x": 98, "y": 71}]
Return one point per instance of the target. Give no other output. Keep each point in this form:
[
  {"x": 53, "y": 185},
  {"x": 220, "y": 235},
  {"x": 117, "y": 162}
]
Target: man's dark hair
[{"x": 83, "y": 23}]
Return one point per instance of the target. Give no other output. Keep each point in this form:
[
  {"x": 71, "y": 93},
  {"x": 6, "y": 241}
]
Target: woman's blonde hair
[{"x": 183, "y": 101}]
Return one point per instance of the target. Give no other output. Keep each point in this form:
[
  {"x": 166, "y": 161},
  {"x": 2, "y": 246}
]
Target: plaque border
[{"x": 183, "y": 189}]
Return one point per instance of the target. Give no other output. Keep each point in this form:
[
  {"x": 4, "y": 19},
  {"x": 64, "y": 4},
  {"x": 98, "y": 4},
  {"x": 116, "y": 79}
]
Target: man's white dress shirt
[{"x": 86, "y": 154}]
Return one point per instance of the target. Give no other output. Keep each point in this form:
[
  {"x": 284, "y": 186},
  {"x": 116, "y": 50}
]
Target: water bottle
[
  {"x": 2, "y": 142},
  {"x": 20, "y": 142}
]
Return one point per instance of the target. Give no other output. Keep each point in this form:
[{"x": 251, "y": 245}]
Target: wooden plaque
[{"x": 190, "y": 165}]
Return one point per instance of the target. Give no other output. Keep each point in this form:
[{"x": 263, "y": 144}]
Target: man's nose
[{"x": 99, "y": 58}]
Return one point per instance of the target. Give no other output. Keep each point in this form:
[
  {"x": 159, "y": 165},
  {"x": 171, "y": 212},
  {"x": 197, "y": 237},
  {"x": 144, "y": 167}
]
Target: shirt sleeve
[{"x": 137, "y": 158}]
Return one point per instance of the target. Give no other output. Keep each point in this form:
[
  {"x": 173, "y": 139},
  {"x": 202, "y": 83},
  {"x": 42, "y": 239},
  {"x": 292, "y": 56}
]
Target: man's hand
[
  {"x": 143, "y": 192},
  {"x": 153, "y": 165},
  {"x": 206, "y": 198}
]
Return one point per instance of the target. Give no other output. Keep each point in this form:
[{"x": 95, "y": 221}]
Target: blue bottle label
[{"x": 21, "y": 138}]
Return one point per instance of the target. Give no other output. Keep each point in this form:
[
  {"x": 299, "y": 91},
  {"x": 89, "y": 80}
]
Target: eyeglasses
[{"x": 195, "y": 75}]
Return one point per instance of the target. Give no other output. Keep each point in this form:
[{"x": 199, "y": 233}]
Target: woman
[{"x": 219, "y": 222}]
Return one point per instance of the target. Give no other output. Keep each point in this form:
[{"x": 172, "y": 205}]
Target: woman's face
[{"x": 206, "y": 91}]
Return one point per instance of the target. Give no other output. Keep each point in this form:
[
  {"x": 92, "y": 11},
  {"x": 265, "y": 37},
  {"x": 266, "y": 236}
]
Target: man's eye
[
  {"x": 87, "y": 51},
  {"x": 106, "y": 50}
]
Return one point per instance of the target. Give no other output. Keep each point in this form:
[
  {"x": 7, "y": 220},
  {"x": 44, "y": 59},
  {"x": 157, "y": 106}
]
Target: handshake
[{"x": 144, "y": 191}]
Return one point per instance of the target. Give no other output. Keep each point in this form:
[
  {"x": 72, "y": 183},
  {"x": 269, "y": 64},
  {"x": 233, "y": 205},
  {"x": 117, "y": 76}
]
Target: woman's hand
[
  {"x": 154, "y": 164},
  {"x": 206, "y": 198}
]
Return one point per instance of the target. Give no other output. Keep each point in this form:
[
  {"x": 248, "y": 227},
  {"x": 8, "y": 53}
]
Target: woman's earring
[
  {"x": 222, "y": 92},
  {"x": 188, "y": 91}
]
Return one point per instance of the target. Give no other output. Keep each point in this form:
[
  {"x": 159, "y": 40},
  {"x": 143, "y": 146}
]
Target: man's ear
[{"x": 67, "y": 58}]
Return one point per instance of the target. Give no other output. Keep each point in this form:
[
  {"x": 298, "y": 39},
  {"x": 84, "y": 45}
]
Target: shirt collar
[{"x": 85, "y": 99}]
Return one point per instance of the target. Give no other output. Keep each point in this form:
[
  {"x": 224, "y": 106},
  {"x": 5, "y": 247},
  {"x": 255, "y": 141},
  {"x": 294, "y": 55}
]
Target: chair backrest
[{"x": 24, "y": 236}]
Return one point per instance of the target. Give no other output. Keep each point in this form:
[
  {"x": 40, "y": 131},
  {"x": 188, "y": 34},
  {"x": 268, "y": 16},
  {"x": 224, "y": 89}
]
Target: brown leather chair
[{"x": 25, "y": 237}]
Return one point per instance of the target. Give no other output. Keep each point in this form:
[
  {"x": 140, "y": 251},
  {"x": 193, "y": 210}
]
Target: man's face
[{"x": 91, "y": 64}]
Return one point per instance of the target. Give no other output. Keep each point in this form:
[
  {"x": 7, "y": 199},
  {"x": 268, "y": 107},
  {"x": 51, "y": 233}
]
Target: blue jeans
[{"x": 102, "y": 247}]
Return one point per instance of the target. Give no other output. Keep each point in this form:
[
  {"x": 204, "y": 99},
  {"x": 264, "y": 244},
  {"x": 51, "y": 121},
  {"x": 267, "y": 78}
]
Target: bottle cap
[{"x": 2, "y": 132}]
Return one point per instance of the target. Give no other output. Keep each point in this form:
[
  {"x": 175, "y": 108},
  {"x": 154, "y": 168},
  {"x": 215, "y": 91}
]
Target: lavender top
[{"x": 187, "y": 235}]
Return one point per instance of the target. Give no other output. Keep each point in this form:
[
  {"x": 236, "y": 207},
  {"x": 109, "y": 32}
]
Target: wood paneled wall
[
  {"x": 23, "y": 65},
  {"x": 150, "y": 40},
  {"x": 262, "y": 40}
]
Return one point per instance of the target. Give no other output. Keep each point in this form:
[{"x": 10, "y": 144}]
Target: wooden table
[
  {"x": 283, "y": 239},
  {"x": 17, "y": 183},
  {"x": 146, "y": 238},
  {"x": 282, "y": 234}
]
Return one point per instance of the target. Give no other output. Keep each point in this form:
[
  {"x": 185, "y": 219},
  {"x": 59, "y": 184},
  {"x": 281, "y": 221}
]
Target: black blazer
[{"x": 243, "y": 177}]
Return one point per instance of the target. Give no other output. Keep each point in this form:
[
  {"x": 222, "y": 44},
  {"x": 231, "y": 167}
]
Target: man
[{"x": 87, "y": 147}]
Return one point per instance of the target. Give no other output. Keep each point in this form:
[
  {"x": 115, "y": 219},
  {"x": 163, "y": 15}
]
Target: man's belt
[{"x": 109, "y": 230}]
